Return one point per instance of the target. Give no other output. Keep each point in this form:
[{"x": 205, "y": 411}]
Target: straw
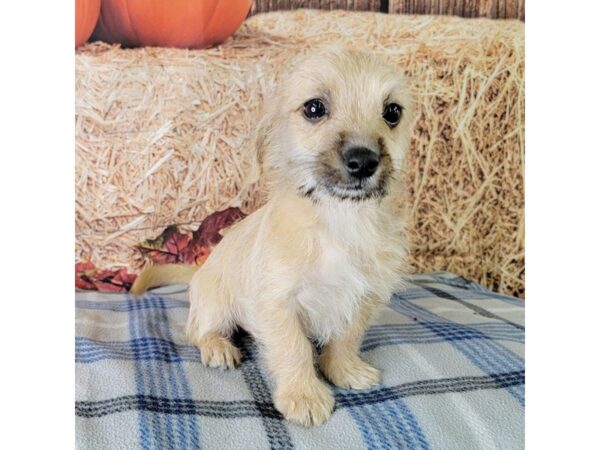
[{"x": 164, "y": 136}]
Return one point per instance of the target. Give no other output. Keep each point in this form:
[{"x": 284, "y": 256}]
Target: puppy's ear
[
  {"x": 256, "y": 158},
  {"x": 263, "y": 141}
]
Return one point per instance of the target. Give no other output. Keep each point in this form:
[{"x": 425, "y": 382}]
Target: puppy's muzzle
[{"x": 360, "y": 162}]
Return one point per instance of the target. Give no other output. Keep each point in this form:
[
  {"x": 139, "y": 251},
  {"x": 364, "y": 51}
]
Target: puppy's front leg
[
  {"x": 299, "y": 394},
  {"x": 339, "y": 359}
]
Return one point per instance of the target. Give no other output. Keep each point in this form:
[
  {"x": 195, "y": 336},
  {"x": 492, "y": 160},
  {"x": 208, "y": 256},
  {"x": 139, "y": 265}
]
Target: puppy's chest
[{"x": 334, "y": 287}]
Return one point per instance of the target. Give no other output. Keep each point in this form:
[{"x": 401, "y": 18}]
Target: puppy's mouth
[
  {"x": 331, "y": 183},
  {"x": 359, "y": 190}
]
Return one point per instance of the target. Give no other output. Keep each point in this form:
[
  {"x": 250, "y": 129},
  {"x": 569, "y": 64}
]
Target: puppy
[{"x": 327, "y": 248}]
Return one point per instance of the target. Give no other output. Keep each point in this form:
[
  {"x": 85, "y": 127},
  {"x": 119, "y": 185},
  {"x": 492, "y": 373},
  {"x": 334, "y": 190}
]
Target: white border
[
  {"x": 562, "y": 224},
  {"x": 37, "y": 252}
]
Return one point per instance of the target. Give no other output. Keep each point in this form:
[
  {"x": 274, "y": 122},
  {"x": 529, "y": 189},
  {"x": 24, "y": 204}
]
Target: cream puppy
[{"x": 327, "y": 248}]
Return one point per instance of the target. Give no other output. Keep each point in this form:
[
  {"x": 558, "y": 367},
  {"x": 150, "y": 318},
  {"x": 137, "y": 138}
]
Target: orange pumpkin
[
  {"x": 86, "y": 16},
  {"x": 170, "y": 23}
]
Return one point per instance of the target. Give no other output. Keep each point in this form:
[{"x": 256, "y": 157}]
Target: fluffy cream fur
[{"x": 318, "y": 258}]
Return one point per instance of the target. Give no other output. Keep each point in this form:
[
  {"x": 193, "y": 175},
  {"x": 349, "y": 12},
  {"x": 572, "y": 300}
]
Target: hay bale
[{"x": 164, "y": 136}]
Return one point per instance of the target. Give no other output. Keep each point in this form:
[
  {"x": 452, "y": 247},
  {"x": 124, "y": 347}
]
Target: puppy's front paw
[
  {"x": 307, "y": 404},
  {"x": 350, "y": 373},
  {"x": 219, "y": 352}
]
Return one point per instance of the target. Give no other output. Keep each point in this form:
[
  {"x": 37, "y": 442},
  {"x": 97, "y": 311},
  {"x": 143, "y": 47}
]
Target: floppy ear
[
  {"x": 257, "y": 157},
  {"x": 263, "y": 141}
]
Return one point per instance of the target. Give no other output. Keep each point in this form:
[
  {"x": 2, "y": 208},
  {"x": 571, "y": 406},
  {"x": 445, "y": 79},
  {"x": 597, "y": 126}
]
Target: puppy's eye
[
  {"x": 392, "y": 114},
  {"x": 314, "y": 109}
]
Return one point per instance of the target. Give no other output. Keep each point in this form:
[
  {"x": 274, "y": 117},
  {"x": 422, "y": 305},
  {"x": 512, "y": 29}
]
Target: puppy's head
[{"x": 337, "y": 127}]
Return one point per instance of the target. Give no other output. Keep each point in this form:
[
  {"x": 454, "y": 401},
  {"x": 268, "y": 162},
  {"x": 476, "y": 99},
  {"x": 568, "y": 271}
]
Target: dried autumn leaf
[
  {"x": 208, "y": 233},
  {"x": 196, "y": 254},
  {"x": 88, "y": 277},
  {"x": 83, "y": 282},
  {"x": 177, "y": 243},
  {"x": 159, "y": 256},
  {"x": 171, "y": 246},
  {"x": 109, "y": 287},
  {"x": 83, "y": 266},
  {"x": 175, "y": 246}
]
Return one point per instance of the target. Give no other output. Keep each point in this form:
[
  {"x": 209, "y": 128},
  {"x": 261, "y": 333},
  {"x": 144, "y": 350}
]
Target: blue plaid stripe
[
  {"x": 388, "y": 425},
  {"x": 436, "y": 332},
  {"x": 160, "y": 430},
  {"x": 421, "y": 293},
  {"x": 90, "y": 350},
  {"x": 262, "y": 406},
  {"x": 134, "y": 304},
  {"x": 140, "y": 374},
  {"x": 488, "y": 355},
  {"x": 188, "y": 424},
  {"x": 456, "y": 285},
  {"x": 150, "y": 347}
]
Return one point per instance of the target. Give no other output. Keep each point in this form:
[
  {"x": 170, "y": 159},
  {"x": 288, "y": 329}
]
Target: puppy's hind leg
[{"x": 211, "y": 322}]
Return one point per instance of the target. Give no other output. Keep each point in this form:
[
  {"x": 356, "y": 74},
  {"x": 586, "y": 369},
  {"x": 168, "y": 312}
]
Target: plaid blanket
[{"x": 453, "y": 378}]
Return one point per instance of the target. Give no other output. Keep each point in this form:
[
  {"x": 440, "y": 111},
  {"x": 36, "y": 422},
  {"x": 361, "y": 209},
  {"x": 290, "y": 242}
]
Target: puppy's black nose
[{"x": 360, "y": 162}]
